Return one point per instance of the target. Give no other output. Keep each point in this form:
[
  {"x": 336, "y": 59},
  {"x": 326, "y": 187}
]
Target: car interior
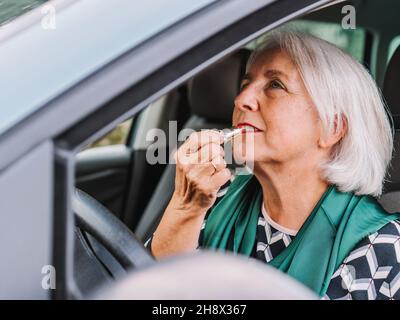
[{"x": 135, "y": 193}]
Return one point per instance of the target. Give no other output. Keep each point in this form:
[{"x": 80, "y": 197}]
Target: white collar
[{"x": 275, "y": 225}]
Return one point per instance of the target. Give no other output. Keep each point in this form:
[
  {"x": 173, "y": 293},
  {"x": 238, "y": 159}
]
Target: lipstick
[{"x": 229, "y": 134}]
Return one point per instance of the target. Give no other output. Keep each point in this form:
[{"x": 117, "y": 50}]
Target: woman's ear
[{"x": 338, "y": 131}]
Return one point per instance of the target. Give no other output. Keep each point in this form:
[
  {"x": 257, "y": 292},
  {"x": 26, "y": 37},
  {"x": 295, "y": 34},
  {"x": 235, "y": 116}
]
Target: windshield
[{"x": 11, "y": 9}]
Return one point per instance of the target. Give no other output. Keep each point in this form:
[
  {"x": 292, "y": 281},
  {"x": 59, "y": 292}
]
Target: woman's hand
[{"x": 200, "y": 173}]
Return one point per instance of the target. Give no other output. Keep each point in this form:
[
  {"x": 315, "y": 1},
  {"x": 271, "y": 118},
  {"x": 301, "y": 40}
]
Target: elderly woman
[{"x": 322, "y": 144}]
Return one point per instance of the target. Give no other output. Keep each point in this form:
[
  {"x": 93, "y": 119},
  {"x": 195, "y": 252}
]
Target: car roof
[{"x": 38, "y": 64}]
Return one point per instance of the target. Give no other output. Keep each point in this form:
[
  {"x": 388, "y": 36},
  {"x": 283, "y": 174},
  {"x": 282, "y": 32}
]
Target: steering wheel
[{"x": 107, "y": 229}]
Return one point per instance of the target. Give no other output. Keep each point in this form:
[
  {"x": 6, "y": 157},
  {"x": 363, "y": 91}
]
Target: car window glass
[
  {"x": 90, "y": 51},
  {"x": 11, "y": 9}
]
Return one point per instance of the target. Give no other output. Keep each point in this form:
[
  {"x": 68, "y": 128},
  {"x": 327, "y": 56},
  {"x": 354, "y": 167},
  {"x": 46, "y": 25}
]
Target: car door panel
[{"x": 102, "y": 172}]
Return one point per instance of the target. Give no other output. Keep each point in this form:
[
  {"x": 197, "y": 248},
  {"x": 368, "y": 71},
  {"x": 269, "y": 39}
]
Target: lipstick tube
[{"x": 231, "y": 133}]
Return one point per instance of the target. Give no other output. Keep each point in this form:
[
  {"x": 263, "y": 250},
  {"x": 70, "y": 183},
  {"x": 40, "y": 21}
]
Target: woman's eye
[
  {"x": 242, "y": 86},
  {"x": 274, "y": 84}
]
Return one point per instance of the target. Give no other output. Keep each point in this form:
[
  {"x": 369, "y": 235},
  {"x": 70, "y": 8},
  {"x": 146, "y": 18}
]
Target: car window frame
[{"x": 137, "y": 97}]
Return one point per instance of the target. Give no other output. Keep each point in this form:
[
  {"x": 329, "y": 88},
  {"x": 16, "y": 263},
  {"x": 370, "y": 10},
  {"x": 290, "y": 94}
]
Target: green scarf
[{"x": 334, "y": 227}]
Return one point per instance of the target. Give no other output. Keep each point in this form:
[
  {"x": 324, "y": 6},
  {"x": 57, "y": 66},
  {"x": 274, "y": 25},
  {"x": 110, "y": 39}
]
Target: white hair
[{"x": 342, "y": 90}]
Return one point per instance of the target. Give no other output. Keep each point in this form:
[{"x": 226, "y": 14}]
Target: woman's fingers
[
  {"x": 200, "y": 169},
  {"x": 203, "y": 155},
  {"x": 220, "y": 178},
  {"x": 208, "y": 152},
  {"x": 198, "y": 139},
  {"x": 218, "y": 163},
  {"x": 206, "y": 170},
  {"x": 207, "y": 160}
]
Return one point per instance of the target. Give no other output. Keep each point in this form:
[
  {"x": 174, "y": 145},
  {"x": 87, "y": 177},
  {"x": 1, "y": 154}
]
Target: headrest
[
  {"x": 212, "y": 92},
  {"x": 391, "y": 93},
  {"x": 391, "y": 87}
]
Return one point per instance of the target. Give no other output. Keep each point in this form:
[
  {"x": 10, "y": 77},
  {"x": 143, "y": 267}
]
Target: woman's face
[{"x": 274, "y": 99}]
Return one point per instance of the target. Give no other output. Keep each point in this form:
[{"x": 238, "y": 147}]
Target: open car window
[{"x": 349, "y": 40}]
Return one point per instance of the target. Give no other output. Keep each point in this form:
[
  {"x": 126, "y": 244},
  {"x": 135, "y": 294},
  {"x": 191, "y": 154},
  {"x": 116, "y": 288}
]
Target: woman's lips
[{"x": 248, "y": 127}]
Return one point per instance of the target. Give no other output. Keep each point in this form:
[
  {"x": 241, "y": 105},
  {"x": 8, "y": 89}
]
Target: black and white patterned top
[{"x": 370, "y": 272}]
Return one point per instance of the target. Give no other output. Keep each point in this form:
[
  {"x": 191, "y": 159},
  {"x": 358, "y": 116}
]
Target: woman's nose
[{"x": 246, "y": 100}]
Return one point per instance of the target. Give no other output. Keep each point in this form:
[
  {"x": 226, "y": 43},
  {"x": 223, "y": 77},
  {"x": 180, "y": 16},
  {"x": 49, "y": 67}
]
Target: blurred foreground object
[{"x": 208, "y": 275}]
